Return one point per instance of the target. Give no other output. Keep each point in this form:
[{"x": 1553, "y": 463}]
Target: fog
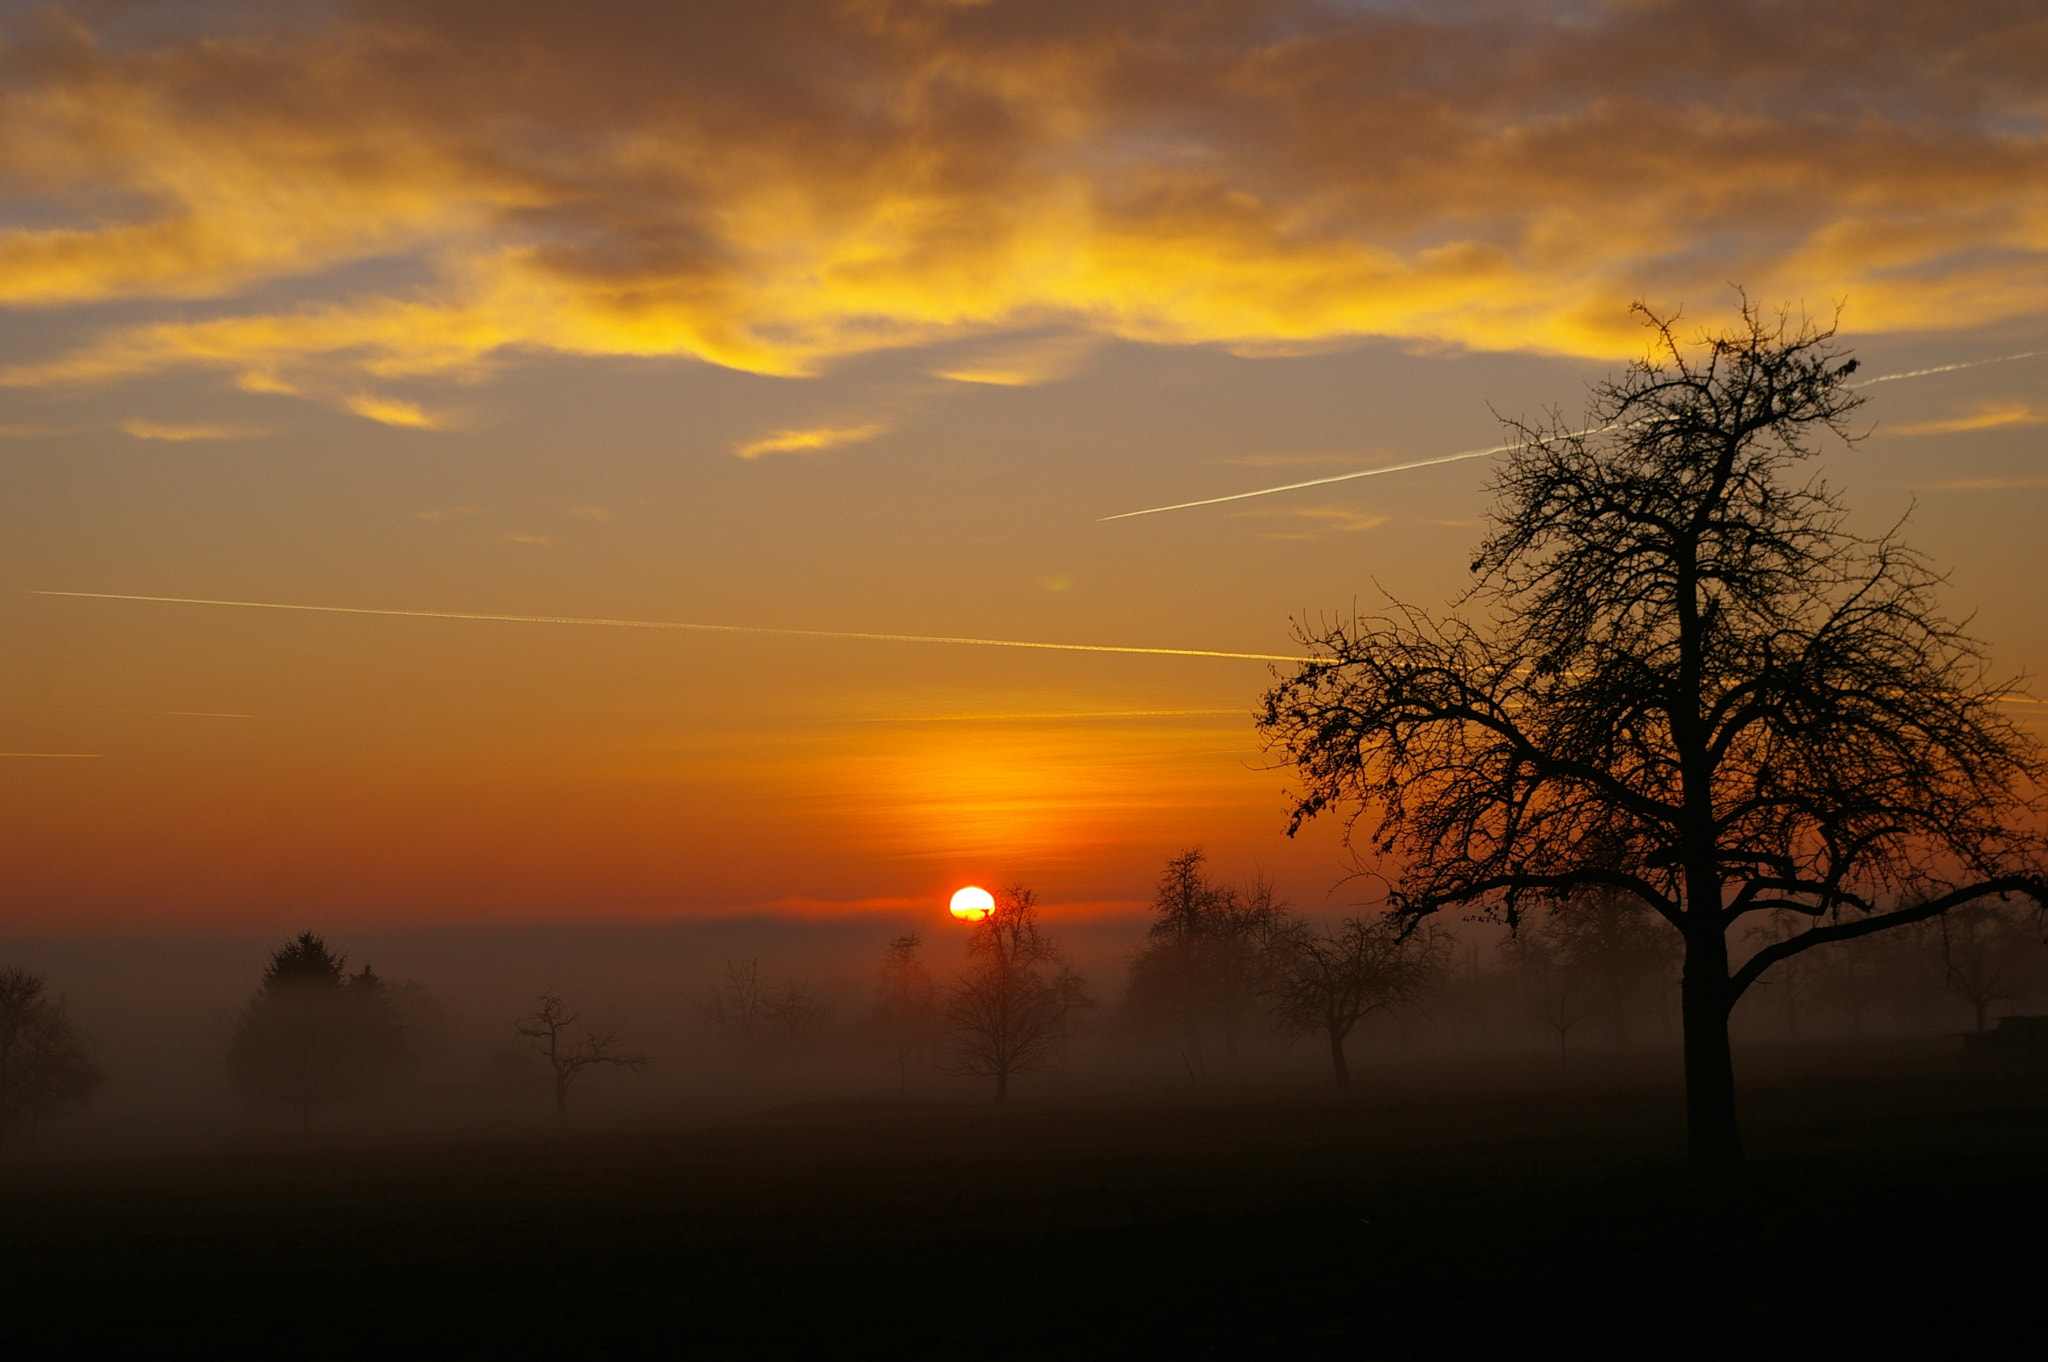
[{"x": 158, "y": 1015}]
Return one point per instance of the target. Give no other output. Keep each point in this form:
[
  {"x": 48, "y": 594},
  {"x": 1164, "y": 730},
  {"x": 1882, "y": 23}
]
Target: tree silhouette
[
  {"x": 905, "y": 1012},
  {"x": 1990, "y": 955},
  {"x": 1012, "y": 1009},
  {"x": 45, "y": 1067},
  {"x": 314, "y": 1033},
  {"x": 1690, "y": 682},
  {"x": 753, "y": 1011},
  {"x": 1202, "y": 967},
  {"x": 570, "y": 1056},
  {"x": 1328, "y": 982}
]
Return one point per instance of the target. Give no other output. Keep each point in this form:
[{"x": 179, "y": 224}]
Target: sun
[{"x": 973, "y": 903}]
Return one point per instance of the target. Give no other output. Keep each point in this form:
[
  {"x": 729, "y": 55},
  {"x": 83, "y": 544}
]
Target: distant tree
[
  {"x": 904, "y": 1014},
  {"x": 1013, "y": 1007},
  {"x": 45, "y": 1065},
  {"x": 1683, "y": 655},
  {"x": 754, "y": 1011},
  {"x": 739, "y": 1004},
  {"x": 1619, "y": 954},
  {"x": 569, "y": 1056},
  {"x": 1327, "y": 982},
  {"x": 1202, "y": 967},
  {"x": 1991, "y": 954},
  {"x": 1553, "y": 990},
  {"x": 314, "y": 1033}
]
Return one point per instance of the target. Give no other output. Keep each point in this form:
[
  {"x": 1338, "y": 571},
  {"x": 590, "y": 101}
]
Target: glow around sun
[{"x": 973, "y": 903}]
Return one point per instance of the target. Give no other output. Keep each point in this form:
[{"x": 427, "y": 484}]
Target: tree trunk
[
  {"x": 1002, "y": 1084},
  {"x": 1343, "y": 1070},
  {"x": 1711, "y": 1137},
  {"x": 561, "y": 1098}
]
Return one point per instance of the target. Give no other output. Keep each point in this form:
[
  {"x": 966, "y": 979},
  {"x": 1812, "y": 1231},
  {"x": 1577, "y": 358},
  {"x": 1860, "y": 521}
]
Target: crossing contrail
[
  {"x": 1502, "y": 449},
  {"x": 676, "y": 624}
]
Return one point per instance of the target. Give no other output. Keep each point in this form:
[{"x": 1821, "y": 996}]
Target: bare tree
[
  {"x": 1328, "y": 982},
  {"x": 1012, "y": 1009},
  {"x": 755, "y": 1012},
  {"x": 45, "y": 1066},
  {"x": 1991, "y": 955},
  {"x": 1202, "y": 967},
  {"x": 1554, "y": 990},
  {"x": 1690, "y": 682},
  {"x": 905, "y": 1012},
  {"x": 568, "y": 1056},
  {"x": 739, "y": 1004}
]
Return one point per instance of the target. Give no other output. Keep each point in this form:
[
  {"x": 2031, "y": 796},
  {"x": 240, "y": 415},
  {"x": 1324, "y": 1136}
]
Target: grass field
[{"x": 1895, "y": 1205}]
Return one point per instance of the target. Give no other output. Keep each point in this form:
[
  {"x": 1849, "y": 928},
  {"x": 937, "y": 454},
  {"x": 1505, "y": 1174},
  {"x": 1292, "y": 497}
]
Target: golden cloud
[
  {"x": 162, "y": 430},
  {"x": 776, "y": 185},
  {"x": 1988, "y": 416},
  {"x": 807, "y": 440}
]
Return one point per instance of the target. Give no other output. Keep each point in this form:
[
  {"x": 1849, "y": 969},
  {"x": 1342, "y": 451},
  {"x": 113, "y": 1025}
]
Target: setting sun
[{"x": 973, "y": 903}]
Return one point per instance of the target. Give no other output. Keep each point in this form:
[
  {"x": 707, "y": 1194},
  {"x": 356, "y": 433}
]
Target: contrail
[
  {"x": 1502, "y": 449},
  {"x": 49, "y": 754},
  {"x": 675, "y": 624},
  {"x": 1946, "y": 368}
]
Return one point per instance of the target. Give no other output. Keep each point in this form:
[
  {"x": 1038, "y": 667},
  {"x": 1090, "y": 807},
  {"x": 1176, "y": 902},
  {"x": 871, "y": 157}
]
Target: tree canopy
[
  {"x": 314, "y": 1033},
  {"x": 1680, "y": 674}
]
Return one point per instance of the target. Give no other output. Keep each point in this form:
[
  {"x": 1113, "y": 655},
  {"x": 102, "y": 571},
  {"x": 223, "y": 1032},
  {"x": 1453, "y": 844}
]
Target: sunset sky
[{"x": 859, "y": 318}]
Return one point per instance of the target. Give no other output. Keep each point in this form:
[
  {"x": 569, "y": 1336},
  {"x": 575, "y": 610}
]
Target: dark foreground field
[{"x": 1892, "y": 1208}]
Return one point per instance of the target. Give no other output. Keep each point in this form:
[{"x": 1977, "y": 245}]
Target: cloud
[
  {"x": 1344, "y": 519},
  {"x": 807, "y": 440},
  {"x": 391, "y": 411},
  {"x": 777, "y": 185},
  {"x": 160, "y": 430},
  {"x": 1021, "y": 364},
  {"x": 1987, "y": 416}
]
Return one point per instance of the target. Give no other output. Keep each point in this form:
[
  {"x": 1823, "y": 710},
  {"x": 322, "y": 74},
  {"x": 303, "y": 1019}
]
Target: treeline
[{"x": 1222, "y": 974}]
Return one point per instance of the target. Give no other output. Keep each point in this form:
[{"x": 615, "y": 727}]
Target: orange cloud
[
  {"x": 807, "y": 440},
  {"x": 776, "y": 185},
  {"x": 1988, "y": 416}
]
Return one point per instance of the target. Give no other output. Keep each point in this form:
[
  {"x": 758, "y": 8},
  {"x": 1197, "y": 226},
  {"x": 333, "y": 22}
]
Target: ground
[{"x": 1899, "y": 1203}]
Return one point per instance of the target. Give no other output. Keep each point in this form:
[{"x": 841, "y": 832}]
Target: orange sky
[{"x": 858, "y": 317}]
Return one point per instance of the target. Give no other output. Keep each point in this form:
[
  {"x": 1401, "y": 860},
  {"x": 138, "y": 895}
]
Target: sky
[{"x": 839, "y": 326}]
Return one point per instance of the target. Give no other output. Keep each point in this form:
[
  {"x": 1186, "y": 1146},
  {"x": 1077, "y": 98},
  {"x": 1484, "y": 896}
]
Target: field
[{"x": 1896, "y": 1199}]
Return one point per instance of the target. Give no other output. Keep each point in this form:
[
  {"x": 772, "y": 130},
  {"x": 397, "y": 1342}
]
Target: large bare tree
[
  {"x": 1684, "y": 677},
  {"x": 1013, "y": 1007}
]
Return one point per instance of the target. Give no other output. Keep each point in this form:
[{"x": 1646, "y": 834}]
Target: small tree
[
  {"x": 753, "y": 1011},
  {"x": 45, "y": 1066},
  {"x": 569, "y": 1056},
  {"x": 1012, "y": 1009},
  {"x": 314, "y": 1033},
  {"x": 1328, "y": 982},
  {"x": 1990, "y": 955},
  {"x": 1690, "y": 682},
  {"x": 1202, "y": 968},
  {"x": 905, "y": 1011}
]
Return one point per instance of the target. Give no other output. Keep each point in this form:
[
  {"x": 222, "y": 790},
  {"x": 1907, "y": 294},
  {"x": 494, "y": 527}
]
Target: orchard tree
[
  {"x": 1325, "y": 983},
  {"x": 905, "y": 1013},
  {"x": 570, "y": 1054},
  {"x": 1013, "y": 1007},
  {"x": 1203, "y": 965},
  {"x": 1681, "y": 676},
  {"x": 45, "y": 1066}
]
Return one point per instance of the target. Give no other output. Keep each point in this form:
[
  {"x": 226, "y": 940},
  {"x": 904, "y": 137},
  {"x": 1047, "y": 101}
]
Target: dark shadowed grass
[{"x": 1878, "y": 1206}]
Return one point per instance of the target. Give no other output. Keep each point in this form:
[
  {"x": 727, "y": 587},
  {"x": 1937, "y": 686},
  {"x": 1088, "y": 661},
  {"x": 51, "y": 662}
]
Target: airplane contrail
[
  {"x": 676, "y": 624},
  {"x": 49, "y": 754},
  {"x": 1502, "y": 449}
]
